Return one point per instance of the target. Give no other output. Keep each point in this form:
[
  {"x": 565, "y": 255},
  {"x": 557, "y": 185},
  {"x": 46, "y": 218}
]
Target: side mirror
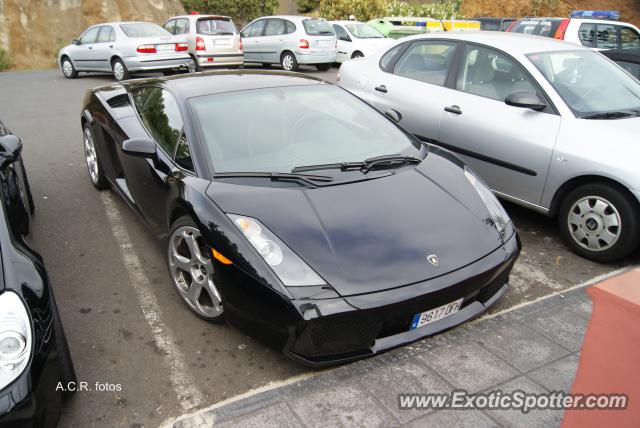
[
  {"x": 394, "y": 115},
  {"x": 144, "y": 147},
  {"x": 10, "y": 148},
  {"x": 525, "y": 99},
  {"x": 75, "y": 42}
]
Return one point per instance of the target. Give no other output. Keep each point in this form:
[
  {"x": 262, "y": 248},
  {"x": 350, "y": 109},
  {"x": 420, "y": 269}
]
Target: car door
[
  {"x": 509, "y": 147},
  {"x": 272, "y": 42},
  {"x": 251, "y": 36},
  {"x": 103, "y": 48},
  {"x": 411, "y": 79},
  {"x": 344, "y": 43},
  {"x": 147, "y": 179},
  {"x": 82, "y": 56}
]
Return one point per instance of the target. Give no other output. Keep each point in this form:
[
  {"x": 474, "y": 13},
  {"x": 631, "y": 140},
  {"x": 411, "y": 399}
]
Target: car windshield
[
  {"x": 588, "y": 82},
  {"x": 537, "y": 27},
  {"x": 317, "y": 27},
  {"x": 364, "y": 31},
  {"x": 278, "y": 129},
  {"x": 143, "y": 29},
  {"x": 215, "y": 26}
]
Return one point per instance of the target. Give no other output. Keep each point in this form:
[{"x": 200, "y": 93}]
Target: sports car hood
[{"x": 376, "y": 234}]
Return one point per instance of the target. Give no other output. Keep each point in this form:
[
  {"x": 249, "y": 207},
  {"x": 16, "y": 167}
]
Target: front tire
[
  {"x": 120, "y": 71},
  {"x": 191, "y": 270},
  {"x": 94, "y": 165},
  {"x": 68, "y": 70},
  {"x": 289, "y": 62},
  {"x": 599, "y": 222},
  {"x": 323, "y": 67}
]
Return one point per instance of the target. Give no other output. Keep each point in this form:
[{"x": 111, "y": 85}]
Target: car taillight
[
  {"x": 146, "y": 49},
  {"x": 304, "y": 44},
  {"x": 562, "y": 28},
  {"x": 181, "y": 47},
  {"x": 200, "y": 44},
  {"x": 240, "y": 46}
]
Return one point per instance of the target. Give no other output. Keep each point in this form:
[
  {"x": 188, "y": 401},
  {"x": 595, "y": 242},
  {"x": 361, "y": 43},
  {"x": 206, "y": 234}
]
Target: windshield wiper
[
  {"x": 608, "y": 115},
  {"x": 364, "y": 166},
  {"x": 313, "y": 180}
]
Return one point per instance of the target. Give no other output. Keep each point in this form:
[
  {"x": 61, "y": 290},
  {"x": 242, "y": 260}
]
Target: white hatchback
[{"x": 357, "y": 39}]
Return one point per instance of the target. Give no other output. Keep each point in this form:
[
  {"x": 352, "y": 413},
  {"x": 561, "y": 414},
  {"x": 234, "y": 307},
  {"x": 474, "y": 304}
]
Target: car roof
[
  {"x": 198, "y": 16},
  {"x": 123, "y": 22},
  {"x": 219, "y": 81},
  {"x": 509, "y": 42},
  {"x": 346, "y": 22}
]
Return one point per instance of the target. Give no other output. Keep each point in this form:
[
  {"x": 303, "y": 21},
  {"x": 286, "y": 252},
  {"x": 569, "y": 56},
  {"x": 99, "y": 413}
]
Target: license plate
[
  {"x": 166, "y": 47},
  {"x": 436, "y": 314},
  {"x": 222, "y": 42},
  {"x": 324, "y": 43}
]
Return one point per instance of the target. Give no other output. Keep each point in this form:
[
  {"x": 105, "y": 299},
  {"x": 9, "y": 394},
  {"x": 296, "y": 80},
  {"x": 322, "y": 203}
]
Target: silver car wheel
[
  {"x": 67, "y": 68},
  {"x": 287, "y": 62},
  {"x": 192, "y": 67},
  {"x": 192, "y": 273},
  {"x": 594, "y": 223},
  {"x": 91, "y": 156},
  {"x": 118, "y": 70}
]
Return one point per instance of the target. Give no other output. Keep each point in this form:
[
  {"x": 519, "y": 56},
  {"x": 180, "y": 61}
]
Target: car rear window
[
  {"x": 143, "y": 29},
  {"x": 537, "y": 27},
  {"x": 216, "y": 26},
  {"x": 317, "y": 27}
]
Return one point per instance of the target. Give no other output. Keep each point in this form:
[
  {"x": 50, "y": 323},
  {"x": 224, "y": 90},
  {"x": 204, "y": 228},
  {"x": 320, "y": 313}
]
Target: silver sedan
[
  {"x": 548, "y": 125},
  {"x": 123, "y": 48}
]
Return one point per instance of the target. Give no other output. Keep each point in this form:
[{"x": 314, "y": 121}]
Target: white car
[{"x": 357, "y": 39}]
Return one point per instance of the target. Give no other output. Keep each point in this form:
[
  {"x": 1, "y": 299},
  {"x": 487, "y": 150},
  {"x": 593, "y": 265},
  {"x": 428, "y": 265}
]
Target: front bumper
[
  {"x": 150, "y": 63},
  {"x": 323, "y": 331},
  {"x": 312, "y": 56},
  {"x": 220, "y": 60}
]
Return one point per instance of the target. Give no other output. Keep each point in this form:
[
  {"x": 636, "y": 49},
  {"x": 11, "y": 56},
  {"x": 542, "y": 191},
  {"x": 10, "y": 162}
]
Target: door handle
[
  {"x": 381, "y": 88},
  {"x": 90, "y": 47},
  {"x": 453, "y": 109},
  {"x": 111, "y": 46}
]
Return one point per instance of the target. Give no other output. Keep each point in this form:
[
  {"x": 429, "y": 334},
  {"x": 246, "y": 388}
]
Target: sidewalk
[{"x": 534, "y": 348}]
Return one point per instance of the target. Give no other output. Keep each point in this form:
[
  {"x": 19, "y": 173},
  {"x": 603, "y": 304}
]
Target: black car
[
  {"x": 36, "y": 371},
  {"x": 629, "y": 59},
  {"x": 297, "y": 212},
  {"x": 489, "y": 23}
]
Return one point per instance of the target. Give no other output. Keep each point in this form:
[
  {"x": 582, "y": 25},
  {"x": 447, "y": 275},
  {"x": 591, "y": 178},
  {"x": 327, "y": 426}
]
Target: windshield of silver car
[
  {"x": 278, "y": 129},
  {"x": 592, "y": 86}
]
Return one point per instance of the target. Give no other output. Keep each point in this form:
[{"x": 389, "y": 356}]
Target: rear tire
[
  {"x": 193, "y": 66},
  {"x": 68, "y": 70},
  {"x": 120, "y": 71},
  {"x": 94, "y": 165},
  {"x": 288, "y": 61},
  {"x": 599, "y": 222},
  {"x": 323, "y": 67}
]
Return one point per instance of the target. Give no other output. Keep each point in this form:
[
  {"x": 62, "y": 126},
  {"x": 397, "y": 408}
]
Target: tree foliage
[
  {"x": 306, "y": 6},
  {"x": 6, "y": 61},
  {"x": 242, "y": 11},
  {"x": 364, "y": 10}
]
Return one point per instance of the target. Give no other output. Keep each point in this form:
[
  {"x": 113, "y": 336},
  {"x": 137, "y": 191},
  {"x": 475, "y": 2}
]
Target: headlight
[
  {"x": 290, "y": 268},
  {"x": 498, "y": 214},
  {"x": 15, "y": 337}
]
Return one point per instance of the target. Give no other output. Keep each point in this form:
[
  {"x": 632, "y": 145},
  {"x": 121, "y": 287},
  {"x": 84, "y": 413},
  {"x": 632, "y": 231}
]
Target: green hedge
[
  {"x": 364, "y": 10},
  {"x": 242, "y": 11},
  {"x": 6, "y": 62}
]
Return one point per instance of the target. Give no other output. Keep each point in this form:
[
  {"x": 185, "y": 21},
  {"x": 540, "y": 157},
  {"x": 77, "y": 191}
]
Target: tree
[
  {"x": 241, "y": 11},
  {"x": 306, "y": 6}
]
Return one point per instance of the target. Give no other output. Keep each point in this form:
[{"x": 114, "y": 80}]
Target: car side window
[
  {"x": 490, "y": 74},
  {"x": 607, "y": 36},
  {"x": 341, "y": 33},
  {"x": 106, "y": 34},
  {"x": 629, "y": 38},
  {"x": 160, "y": 114},
  {"x": 90, "y": 35},
  {"x": 182, "y": 157},
  {"x": 290, "y": 27},
  {"x": 426, "y": 61},
  {"x": 387, "y": 60},
  {"x": 275, "y": 27},
  {"x": 587, "y": 34},
  {"x": 632, "y": 67},
  {"x": 246, "y": 31},
  {"x": 170, "y": 26},
  {"x": 182, "y": 26},
  {"x": 257, "y": 27}
]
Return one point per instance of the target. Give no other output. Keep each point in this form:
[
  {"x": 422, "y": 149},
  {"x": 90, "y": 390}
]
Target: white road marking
[{"x": 189, "y": 396}]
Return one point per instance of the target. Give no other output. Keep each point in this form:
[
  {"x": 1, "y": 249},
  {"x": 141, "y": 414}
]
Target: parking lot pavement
[
  {"x": 534, "y": 349},
  {"x": 125, "y": 324}
]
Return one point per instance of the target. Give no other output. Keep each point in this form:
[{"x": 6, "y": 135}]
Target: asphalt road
[{"x": 125, "y": 323}]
